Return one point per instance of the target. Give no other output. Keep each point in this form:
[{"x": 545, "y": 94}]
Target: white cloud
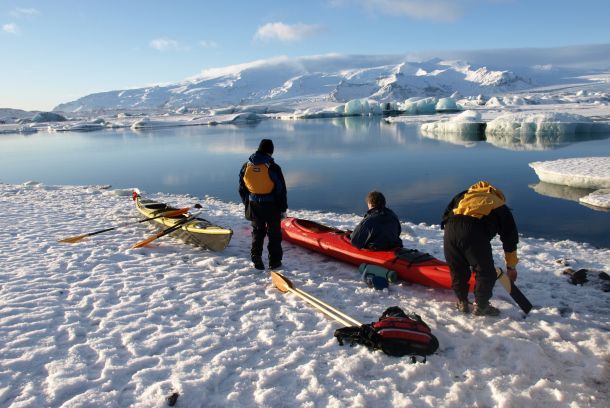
[
  {"x": 24, "y": 12},
  {"x": 166, "y": 44},
  {"x": 286, "y": 32},
  {"x": 208, "y": 44},
  {"x": 437, "y": 10},
  {"x": 10, "y": 28}
]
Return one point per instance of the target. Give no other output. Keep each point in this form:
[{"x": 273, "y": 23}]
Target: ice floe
[
  {"x": 599, "y": 198},
  {"x": 583, "y": 172},
  {"x": 465, "y": 127}
]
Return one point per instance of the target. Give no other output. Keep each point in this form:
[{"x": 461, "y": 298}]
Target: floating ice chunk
[
  {"x": 552, "y": 123},
  {"x": 417, "y": 106},
  {"x": 598, "y": 198},
  {"x": 583, "y": 172},
  {"x": 79, "y": 127},
  {"x": 465, "y": 127},
  {"x": 147, "y": 123},
  {"x": 362, "y": 107},
  {"x": 446, "y": 105},
  {"x": 48, "y": 117}
]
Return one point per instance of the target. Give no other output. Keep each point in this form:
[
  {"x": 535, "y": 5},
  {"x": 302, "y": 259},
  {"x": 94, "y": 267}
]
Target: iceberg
[
  {"x": 362, "y": 107},
  {"x": 540, "y": 131},
  {"x": 48, "y": 117},
  {"x": 528, "y": 124},
  {"x": 465, "y": 128},
  {"x": 419, "y": 106},
  {"x": 582, "y": 172},
  {"x": 79, "y": 127},
  {"x": 447, "y": 105}
]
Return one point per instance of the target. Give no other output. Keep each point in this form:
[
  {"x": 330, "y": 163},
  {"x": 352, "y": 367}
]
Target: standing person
[
  {"x": 470, "y": 222},
  {"x": 263, "y": 191},
  {"x": 380, "y": 229}
]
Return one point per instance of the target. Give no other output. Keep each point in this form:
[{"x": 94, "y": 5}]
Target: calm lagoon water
[{"x": 329, "y": 165}]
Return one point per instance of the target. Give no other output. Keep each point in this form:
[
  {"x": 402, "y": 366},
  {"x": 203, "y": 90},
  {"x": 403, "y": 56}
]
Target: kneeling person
[{"x": 380, "y": 228}]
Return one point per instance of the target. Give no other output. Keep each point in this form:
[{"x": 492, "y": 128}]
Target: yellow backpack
[{"x": 257, "y": 178}]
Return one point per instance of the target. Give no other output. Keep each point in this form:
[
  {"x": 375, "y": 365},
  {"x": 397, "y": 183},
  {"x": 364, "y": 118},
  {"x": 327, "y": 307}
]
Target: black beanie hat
[{"x": 266, "y": 146}]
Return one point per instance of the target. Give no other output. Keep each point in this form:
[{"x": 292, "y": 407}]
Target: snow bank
[
  {"x": 100, "y": 324},
  {"x": 583, "y": 172},
  {"x": 467, "y": 126}
]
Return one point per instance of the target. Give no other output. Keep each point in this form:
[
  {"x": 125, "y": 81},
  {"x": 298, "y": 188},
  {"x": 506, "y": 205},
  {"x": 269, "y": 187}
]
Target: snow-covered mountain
[{"x": 287, "y": 81}]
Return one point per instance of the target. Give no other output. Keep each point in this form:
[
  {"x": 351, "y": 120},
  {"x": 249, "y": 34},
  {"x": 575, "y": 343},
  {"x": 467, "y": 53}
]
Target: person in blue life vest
[
  {"x": 380, "y": 228},
  {"x": 263, "y": 191},
  {"x": 471, "y": 220}
]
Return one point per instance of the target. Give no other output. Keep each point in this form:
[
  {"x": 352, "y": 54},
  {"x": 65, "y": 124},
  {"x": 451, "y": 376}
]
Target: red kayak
[{"x": 409, "y": 265}]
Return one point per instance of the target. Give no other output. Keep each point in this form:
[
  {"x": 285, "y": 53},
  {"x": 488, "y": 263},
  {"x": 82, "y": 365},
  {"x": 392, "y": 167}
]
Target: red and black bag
[{"x": 396, "y": 334}]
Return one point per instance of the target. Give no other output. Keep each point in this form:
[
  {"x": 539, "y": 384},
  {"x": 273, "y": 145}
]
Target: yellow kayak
[{"x": 198, "y": 231}]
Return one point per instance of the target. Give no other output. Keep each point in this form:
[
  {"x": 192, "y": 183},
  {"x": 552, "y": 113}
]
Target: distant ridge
[{"x": 291, "y": 82}]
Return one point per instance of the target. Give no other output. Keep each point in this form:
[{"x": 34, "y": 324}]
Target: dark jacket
[
  {"x": 491, "y": 212},
  {"x": 277, "y": 196},
  {"x": 379, "y": 230}
]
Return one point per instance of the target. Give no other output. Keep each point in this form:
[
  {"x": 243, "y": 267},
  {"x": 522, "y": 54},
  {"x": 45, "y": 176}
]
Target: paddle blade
[
  {"x": 145, "y": 242},
  {"x": 175, "y": 213},
  {"x": 281, "y": 282},
  {"x": 72, "y": 240},
  {"x": 514, "y": 291}
]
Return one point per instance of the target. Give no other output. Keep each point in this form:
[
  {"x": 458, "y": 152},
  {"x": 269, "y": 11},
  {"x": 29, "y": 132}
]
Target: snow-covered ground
[{"x": 100, "y": 324}]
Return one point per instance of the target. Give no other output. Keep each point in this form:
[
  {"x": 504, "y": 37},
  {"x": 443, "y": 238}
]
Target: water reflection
[
  {"x": 565, "y": 193},
  {"x": 467, "y": 139},
  {"x": 540, "y": 140}
]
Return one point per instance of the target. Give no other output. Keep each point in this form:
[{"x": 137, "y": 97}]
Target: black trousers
[
  {"x": 266, "y": 219},
  {"x": 467, "y": 245}
]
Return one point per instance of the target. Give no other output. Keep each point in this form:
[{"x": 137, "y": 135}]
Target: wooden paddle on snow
[
  {"x": 285, "y": 285},
  {"x": 169, "y": 214}
]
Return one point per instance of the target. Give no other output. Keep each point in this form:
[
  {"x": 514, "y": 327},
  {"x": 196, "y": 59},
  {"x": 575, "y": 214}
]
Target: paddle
[
  {"x": 285, "y": 285},
  {"x": 169, "y": 214},
  {"x": 514, "y": 291},
  {"x": 169, "y": 230}
]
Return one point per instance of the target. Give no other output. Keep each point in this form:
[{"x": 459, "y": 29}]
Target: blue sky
[{"x": 58, "y": 50}]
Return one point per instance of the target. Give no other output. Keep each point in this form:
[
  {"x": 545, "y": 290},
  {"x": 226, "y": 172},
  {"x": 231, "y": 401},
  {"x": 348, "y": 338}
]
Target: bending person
[{"x": 470, "y": 222}]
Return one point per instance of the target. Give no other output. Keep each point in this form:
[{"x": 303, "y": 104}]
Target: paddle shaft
[
  {"x": 285, "y": 285},
  {"x": 169, "y": 214},
  {"x": 166, "y": 231},
  {"x": 329, "y": 307},
  {"x": 320, "y": 307}
]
